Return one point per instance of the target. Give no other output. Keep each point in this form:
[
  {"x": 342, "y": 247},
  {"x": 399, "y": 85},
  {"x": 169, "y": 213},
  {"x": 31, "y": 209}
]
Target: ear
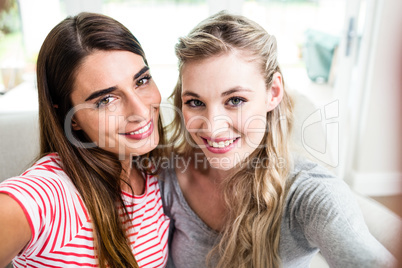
[
  {"x": 275, "y": 93},
  {"x": 75, "y": 125}
]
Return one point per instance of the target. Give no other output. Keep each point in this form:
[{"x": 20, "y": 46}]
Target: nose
[
  {"x": 137, "y": 109},
  {"x": 217, "y": 122}
]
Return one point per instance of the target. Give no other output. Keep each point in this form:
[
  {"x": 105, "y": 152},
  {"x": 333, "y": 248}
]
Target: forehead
[
  {"x": 222, "y": 72},
  {"x": 103, "y": 69},
  {"x": 232, "y": 56}
]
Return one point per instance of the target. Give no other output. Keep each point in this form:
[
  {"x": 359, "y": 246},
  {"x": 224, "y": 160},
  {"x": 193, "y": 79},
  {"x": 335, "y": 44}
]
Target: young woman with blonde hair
[
  {"x": 238, "y": 197},
  {"x": 88, "y": 201}
]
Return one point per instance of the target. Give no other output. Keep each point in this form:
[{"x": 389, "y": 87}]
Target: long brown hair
[
  {"x": 95, "y": 172},
  {"x": 255, "y": 194}
]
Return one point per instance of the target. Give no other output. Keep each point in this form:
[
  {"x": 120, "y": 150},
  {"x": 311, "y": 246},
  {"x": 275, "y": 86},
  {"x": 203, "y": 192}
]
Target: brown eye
[
  {"x": 104, "y": 101},
  {"x": 143, "y": 81},
  {"x": 140, "y": 82}
]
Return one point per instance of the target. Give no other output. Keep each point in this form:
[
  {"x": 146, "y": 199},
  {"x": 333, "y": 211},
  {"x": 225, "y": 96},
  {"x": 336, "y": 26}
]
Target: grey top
[{"x": 321, "y": 214}]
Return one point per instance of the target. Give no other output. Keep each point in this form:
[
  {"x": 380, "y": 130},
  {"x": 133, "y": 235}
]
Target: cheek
[
  {"x": 95, "y": 125},
  {"x": 187, "y": 118},
  {"x": 192, "y": 122},
  {"x": 153, "y": 101},
  {"x": 156, "y": 96},
  {"x": 254, "y": 129},
  {"x": 151, "y": 98}
]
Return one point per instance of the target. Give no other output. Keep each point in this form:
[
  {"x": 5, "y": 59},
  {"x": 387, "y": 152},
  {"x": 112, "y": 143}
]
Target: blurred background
[{"x": 343, "y": 55}]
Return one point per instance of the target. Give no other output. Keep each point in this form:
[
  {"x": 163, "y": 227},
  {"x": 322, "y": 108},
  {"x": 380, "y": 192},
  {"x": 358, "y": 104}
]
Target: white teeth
[
  {"x": 220, "y": 144},
  {"x": 142, "y": 130}
]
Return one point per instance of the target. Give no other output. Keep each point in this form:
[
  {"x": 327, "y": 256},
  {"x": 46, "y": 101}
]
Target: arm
[
  {"x": 15, "y": 231},
  {"x": 333, "y": 222}
]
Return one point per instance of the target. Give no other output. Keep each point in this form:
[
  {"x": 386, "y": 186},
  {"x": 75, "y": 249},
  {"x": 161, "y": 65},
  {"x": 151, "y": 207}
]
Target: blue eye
[
  {"x": 236, "y": 101},
  {"x": 194, "y": 103}
]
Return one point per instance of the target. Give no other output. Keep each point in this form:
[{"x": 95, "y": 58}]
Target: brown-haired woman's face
[{"x": 116, "y": 103}]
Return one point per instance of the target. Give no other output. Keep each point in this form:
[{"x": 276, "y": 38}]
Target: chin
[
  {"x": 222, "y": 163},
  {"x": 137, "y": 150},
  {"x": 144, "y": 150}
]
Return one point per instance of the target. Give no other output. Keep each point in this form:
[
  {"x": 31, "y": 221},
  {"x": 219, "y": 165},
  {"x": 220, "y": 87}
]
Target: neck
[
  {"x": 218, "y": 175},
  {"x": 134, "y": 178}
]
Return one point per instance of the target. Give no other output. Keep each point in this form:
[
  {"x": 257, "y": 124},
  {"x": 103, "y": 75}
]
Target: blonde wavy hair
[{"x": 255, "y": 194}]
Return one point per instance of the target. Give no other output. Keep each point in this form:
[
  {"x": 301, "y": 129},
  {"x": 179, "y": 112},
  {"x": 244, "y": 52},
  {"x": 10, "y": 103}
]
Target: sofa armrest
[{"x": 19, "y": 142}]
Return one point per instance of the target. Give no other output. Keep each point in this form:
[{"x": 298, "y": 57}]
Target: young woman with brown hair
[{"x": 89, "y": 200}]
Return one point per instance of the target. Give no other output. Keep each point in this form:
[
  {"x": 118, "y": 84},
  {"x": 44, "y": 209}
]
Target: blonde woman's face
[
  {"x": 116, "y": 103},
  {"x": 225, "y": 102}
]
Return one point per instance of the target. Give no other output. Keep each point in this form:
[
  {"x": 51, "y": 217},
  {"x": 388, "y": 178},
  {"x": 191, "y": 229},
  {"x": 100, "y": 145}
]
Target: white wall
[
  {"x": 38, "y": 18},
  {"x": 377, "y": 164}
]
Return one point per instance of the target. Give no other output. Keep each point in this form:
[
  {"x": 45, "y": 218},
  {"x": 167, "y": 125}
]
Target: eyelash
[
  {"x": 191, "y": 102},
  {"x": 99, "y": 103},
  {"x": 145, "y": 77},
  {"x": 243, "y": 100},
  {"x": 148, "y": 77}
]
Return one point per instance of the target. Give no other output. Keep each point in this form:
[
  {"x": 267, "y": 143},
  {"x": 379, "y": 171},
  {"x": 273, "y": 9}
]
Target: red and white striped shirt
[{"x": 61, "y": 228}]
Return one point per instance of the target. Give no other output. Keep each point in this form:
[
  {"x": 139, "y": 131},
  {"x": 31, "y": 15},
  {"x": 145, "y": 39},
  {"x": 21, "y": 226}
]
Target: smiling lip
[
  {"x": 219, "y": 146},
  {"x": 140, "y": 133}
]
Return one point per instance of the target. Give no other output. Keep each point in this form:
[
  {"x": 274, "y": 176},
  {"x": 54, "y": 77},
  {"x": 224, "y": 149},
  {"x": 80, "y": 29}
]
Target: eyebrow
[
  {"x": 226, "y": 93},
  {"x": 143, "y": 70},
  {"x": 105, "y": 91},
  {"x": 190, "y": 94},
  {"x": 234, "y": 90}
]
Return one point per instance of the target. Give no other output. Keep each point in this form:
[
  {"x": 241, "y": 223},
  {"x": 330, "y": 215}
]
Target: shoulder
[
  {"x": 309, "y": 178},
  {"x": 313, "y": 191},
  {"x": 42, "y": 184},
  {"x": 168, "y": 180},
  {"x": 46, "y": 172},
  {"x": 167, "y": 176},
  {"x": 47, "y": 166}
]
